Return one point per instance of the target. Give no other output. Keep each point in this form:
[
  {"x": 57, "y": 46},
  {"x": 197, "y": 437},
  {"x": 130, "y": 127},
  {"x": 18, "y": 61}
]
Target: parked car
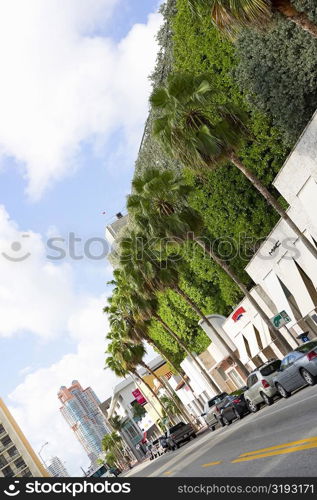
[
  {"x": 158, "y": 448},
  {"x": 297, "y": 369},
  {"x": 210, "y": 411},
  {"x": 232, "y": 407},
  {"x": 164, "y": 443},
  {"x": 261, "y": 388},
  {"x": 179, "y": 433},
  {"x": 115, "y": 471}
]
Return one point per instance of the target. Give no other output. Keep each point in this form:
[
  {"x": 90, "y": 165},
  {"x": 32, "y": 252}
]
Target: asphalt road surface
[{"x": 279, "y": 440}]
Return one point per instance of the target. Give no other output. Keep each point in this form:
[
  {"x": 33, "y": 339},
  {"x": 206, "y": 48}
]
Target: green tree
[
  {"x": 138, "y": 411},
  {"x": 230, "y": 16},
  {"x": 189, "y": 130},
  {"x": 159, "y": 204},
  {"x": 277, "y": 72}
]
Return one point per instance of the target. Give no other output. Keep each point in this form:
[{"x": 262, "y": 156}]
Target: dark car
[
  {"x": 179, "y": 433},
  {"x": 231, "y": 408},
  {"x": 115, "y": 470},
  {"x": 211, "y": 410},
  {"x": 297, "y": 369}
]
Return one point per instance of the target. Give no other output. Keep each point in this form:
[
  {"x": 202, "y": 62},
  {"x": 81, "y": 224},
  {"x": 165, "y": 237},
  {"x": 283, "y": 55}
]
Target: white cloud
[
  {"x": 40, "y": 297},
  {"x": 35, "y": 295},
  {"x": 61, "y": 85},
  {"x": 34, "y": 402}
]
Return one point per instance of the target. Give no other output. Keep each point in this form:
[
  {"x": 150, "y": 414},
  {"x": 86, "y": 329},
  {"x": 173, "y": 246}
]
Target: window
[
  {"x": 306, "y": 347},
  {"x": 3, "y": 462},
  {"x": 12, "y": 451},
  {"x": 27, "y": 473},
  {"x": 8, "y": 472},
  {"x": 6, "y": 441},
  {"x": 252, "y": 379},
  {"x": 235, "y": 377},
  {"x": 19, "y": 463},
  {"x": 2, "y": 429},
  {"x": 271, "y": 368},
  {"x": 285, "y": 363}
]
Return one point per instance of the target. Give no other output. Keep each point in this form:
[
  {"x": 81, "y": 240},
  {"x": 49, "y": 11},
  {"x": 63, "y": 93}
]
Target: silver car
[
  {"x": 297, "y": 369},
  {"x": 260, "y": 386}
]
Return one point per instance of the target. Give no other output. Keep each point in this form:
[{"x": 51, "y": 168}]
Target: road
[{"x": 279, "y": 440}]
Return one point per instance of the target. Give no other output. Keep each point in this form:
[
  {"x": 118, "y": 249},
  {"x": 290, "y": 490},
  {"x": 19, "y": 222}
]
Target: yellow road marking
[
  {"x": 211, "y": 463},
  {"x": 277, "y": 452},
  {"x": 168, "y": 472},
  {"x": 285, "y": 445}
]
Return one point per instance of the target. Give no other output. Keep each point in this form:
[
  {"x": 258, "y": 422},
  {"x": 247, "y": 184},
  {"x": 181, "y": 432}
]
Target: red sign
[
  {"x": 139, "y": 397},
  {"x": 238, "y": 314}
]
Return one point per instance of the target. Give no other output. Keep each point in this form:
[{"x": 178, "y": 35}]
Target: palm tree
[
  {"x": 140, "y": 333},
  {"x": 232, "y": 15},
  {"x": 112, "y": 443},
  {"x": 116, "y": 367},
  {"x": 170, "y": 404},
  {"x": 116, "y": 423},
  {"x": 131, "y": 355},
  {"x": 159, "y": 205},
  {"x": 146, "y": 309},
  {"x": 151, "y": 275},
  {"x": 138, "y": 411},
  {"x": 189, "y": 130}
]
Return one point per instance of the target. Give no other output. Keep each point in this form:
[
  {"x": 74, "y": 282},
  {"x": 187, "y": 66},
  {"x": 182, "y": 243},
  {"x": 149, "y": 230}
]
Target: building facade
[
  {"x": 57, "y": 468},
  {"x": 284, "y": 272},
  {"x": 80, "y": 408},
  {"x": 17, "y": 458},
  {"x": 121, "y": 405}
]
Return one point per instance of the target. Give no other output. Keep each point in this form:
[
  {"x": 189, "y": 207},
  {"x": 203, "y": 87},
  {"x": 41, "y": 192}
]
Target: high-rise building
[
  {"x": 17, "y": 458},
  {"x": 57, "y": 468},
  {"x": 80, "y": 408}
]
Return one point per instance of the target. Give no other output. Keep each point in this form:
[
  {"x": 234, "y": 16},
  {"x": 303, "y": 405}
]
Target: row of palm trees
[{"x": 201, "y": 135}]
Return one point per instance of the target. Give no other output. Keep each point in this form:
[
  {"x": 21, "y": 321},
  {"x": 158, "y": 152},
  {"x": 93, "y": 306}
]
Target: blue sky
[{"x": 69, "y": 134}]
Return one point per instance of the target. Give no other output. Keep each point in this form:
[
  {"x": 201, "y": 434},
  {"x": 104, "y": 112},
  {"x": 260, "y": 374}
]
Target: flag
[{"x": 238, "y": 314}]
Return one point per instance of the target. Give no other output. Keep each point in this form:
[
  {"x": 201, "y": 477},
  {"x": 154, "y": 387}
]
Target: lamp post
[{"x": 39, "y": 453}]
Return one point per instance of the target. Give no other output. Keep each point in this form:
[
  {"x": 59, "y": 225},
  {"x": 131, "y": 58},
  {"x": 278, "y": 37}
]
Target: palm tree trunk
[
  {"x": 286, "y": 346},
  {"x": 200, "y": 367},
  {"x": 153, "y": 394},
  {"x": 301, "y": 19},
  {"x": 271, "y": 200},
  {"x": 199, "y": 312},
  {"x": 177, "y": 370},
  {"x": 169, "y": 391}
]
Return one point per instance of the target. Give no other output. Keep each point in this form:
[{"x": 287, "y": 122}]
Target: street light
[{"x": 39, "y": 452}]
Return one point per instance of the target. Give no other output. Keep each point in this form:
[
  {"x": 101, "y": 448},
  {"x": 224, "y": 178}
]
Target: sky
[{"x": 73, "y": 101}]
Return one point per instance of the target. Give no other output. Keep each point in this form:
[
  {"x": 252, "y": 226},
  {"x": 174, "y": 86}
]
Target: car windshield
[
  {"x": 306, "y": 347},
  {"x": 176, "y": 427},
  {"x": 217, "y": 399},
  {"x": 271, "y": 368}
]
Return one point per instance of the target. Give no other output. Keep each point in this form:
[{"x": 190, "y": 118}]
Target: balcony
[{"x": 5, "y": 447}]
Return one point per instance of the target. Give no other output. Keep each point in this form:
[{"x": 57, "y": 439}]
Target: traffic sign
[{"x": 280, "y": 319}]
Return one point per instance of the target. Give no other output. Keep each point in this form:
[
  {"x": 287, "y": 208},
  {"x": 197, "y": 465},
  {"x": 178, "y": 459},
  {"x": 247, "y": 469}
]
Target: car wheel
[
  {"x": 267, "y": 399},
  {"x": 212, "y": 427},
  {"x": 283, "y": 392},
  {"x": 253, "y": 407},
  {"x": 308, "y": 377},
  {"x": 194, "y": 435},
  {"x": 226, "y": 421},
  {"x": 237, "y": 414}
]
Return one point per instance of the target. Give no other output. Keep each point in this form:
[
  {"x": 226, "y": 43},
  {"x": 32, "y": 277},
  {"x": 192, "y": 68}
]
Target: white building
[
  {"x": 284, "y": 271},
  {"x": 57, "y": 468}
]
